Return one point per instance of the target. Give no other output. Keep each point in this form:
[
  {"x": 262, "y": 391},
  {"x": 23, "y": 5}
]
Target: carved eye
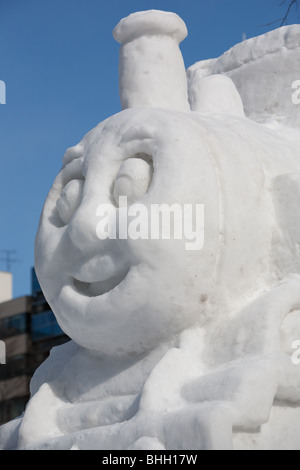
[
  {"x": 134, "y": 178},
  {"x": 70, "y": 200}
]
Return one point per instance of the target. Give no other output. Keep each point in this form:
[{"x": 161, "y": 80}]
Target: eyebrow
[
  {"x": 141, "y": 132},
  {"x": 72, "y": 153}
]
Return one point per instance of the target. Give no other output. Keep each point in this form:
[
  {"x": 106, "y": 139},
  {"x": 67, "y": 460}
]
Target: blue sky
[{"x": 60, "y": 65}]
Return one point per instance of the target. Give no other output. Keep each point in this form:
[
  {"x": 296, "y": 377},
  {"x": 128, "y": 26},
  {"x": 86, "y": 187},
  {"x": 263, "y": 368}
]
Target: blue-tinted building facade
[{"x": 29, "y": 330}]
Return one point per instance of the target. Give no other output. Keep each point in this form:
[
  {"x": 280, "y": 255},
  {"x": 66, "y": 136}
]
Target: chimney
[{"x": 151, "y": 67}]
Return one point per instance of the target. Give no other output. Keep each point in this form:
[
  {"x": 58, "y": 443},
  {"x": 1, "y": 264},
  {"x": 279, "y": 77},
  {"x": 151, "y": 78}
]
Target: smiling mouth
[{"x": 94, "y": 289}]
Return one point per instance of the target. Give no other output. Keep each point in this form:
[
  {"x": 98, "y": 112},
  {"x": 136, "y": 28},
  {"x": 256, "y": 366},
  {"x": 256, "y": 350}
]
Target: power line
[{"x": 9, "y": 259}]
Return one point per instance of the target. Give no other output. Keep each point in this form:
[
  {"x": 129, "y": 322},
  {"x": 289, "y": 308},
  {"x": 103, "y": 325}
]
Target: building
[
  {"x": 5, "y": 286},
  {"x": 28, "y": 329}
]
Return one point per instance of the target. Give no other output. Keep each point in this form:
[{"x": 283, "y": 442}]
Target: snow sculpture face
[{"x": 123, "y": 295}]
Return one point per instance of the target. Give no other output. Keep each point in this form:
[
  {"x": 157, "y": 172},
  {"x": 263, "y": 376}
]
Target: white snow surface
[
  {"x": 263, "y": 70},
  {"x": 174, "y": 348}
]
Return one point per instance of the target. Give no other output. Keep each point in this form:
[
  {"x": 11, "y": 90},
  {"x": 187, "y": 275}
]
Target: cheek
[{"x": 51, "y": 258}]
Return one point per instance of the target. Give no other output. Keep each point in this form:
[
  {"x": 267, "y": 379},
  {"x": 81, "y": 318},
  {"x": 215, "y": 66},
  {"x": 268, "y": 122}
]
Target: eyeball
[
  {"x": 133, "y": 179},
  {"x": 69, "y": 200}
]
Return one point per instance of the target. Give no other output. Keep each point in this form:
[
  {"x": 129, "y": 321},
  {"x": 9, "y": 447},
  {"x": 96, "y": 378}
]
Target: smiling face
[{"x": 124, "y": 295}]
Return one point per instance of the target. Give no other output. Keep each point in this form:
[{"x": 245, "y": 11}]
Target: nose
[{"x": 82, "y": 229}]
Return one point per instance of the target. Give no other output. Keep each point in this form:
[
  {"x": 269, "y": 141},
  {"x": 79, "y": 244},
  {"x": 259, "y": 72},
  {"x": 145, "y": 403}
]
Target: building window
[
  {"x": 14, "y": 325},
  {"x": 44, "y": 325},
  {"x": 12, "y": 408},
  {"x": 17, "y": 366}
]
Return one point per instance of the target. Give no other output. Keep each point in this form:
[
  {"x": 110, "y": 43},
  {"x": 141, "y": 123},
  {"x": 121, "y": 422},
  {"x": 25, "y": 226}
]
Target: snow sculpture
[
  {"x": 171, "y": 348},
  {"x": 265, "y": 71}
]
